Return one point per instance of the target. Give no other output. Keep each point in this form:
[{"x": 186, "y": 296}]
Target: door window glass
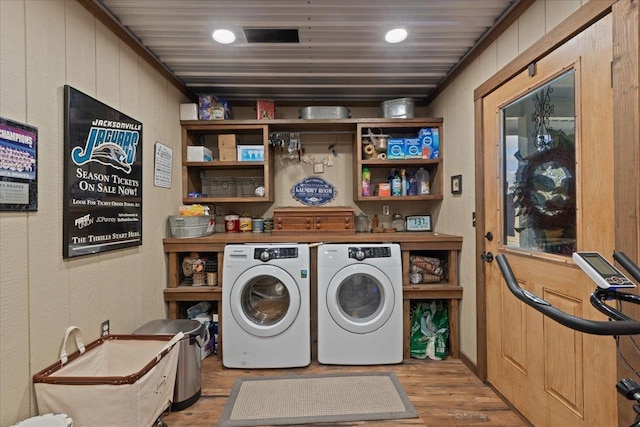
[
  {"x": 265, "y": 300},
  {"x": 360, "y": 297},
  {"x": 538, "y": 146}
]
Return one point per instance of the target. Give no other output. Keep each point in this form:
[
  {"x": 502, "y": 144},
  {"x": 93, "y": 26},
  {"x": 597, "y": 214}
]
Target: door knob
[{"x": 488, "y": 256}]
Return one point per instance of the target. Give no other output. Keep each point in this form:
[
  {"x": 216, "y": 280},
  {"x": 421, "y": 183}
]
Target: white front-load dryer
[
  {"x": 266, "y": 306},
  {"x": 360, "y": 320}
]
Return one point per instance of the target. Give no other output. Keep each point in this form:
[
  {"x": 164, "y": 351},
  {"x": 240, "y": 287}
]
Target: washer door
[
  {"x": 264, "y": 300},
  {"x": 360, "y": 298}
]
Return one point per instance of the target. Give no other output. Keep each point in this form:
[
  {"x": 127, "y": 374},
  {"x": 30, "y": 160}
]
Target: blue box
[
  {"x": 430, "y": 141},
  {"x": 412, "y": 148},
  {"x": 250, "y": 153},
  {"x": 211, "y": 346},
  {"x": 395, "y": 148}
]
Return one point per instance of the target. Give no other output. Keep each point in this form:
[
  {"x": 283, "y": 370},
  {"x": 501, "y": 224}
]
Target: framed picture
[
  {"x": 102, "y": 177},
  {"x": 18, "y": 166},
  {"x": 456, "y": 184}
]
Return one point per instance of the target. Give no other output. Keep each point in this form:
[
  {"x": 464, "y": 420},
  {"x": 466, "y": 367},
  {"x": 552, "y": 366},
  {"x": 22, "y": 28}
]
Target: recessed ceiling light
[
  {"x": 224, "y": 36},
  {"x": 396, "y": 35}
]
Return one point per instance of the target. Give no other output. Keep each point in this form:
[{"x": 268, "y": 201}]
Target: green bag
[{"x": 429, "y": 331}]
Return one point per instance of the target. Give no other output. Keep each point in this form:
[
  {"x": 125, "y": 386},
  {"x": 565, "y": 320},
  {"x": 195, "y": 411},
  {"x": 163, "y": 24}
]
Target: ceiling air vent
[{"x": 271, "y": 35}]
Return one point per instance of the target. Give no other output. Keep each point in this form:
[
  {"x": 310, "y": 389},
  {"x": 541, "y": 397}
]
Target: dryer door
[
  {"x": 360, "y": 298},
  {"x": 264, "y": 300}
]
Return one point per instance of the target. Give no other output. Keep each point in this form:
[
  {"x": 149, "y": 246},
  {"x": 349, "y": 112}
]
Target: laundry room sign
[{"x": 313, "y": 191}]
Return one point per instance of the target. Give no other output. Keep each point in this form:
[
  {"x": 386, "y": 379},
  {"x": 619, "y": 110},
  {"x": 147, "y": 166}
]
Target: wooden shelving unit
[
  {"x": 422, "y": 242},
  {"x": 256, "y": 132}
]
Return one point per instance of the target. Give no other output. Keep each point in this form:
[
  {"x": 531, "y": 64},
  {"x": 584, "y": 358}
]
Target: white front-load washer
[
  {"x": 360, "y": 320},
  {"x": 266, "y": 306}
]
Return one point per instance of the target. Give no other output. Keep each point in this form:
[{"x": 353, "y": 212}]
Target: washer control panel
[
  {"x": 360, "y": 253},
  {"x": 269, "y": 253}
]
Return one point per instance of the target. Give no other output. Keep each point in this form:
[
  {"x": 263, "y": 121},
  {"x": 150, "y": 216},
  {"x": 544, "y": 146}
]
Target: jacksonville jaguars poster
[{"x": 103, "y": 177}]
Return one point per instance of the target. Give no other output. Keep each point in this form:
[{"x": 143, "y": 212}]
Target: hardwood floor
[{"x": 445, "y": 393}]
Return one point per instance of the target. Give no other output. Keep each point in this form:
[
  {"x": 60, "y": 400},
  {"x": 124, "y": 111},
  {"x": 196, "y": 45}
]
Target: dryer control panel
[
  {"x": 361, "y": 253},
  {"x": 269, "y": 253}
]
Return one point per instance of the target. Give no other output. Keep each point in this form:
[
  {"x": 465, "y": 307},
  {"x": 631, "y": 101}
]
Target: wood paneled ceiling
[{"x": 341, "y": 54}]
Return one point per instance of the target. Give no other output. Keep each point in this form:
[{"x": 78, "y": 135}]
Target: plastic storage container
[
  {"x": 424, "y": 184},
  {"x": 187, "y": 387},
  {"x": 366, "y": 182}
]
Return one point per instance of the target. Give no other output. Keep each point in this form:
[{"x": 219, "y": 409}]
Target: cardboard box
[
  {"x": 250, "y": 153},
  {"x": 227, "y": 141},
  {"x": 384, "y": 189},
  {"x": 412, "y": 148},
  {"x": 189, "y": 111},
  {"x": 227, "y": 154},
  {"x": 430, "y": 141},
  {"x": 211, "y": 107},
  {"x": 395, "y": 148},
  {"x": 265, "y": 109},
  {"x": 199, "y": 154}
]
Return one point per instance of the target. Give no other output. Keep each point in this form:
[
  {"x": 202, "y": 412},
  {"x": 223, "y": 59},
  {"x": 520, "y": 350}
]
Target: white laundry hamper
[{"x": 117, "y": 380}]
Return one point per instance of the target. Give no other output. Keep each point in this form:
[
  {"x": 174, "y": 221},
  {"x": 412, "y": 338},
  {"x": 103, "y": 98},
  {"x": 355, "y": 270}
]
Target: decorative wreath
[{"x": 549, "y": 201}]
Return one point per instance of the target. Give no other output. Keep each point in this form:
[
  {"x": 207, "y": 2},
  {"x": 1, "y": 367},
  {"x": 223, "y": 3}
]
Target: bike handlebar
[
  {"x": 594, "y": 327},
  {"x": 627, "y": 264}
]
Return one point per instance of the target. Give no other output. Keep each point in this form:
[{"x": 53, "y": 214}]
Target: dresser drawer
[{"x": 296, "y": 219}]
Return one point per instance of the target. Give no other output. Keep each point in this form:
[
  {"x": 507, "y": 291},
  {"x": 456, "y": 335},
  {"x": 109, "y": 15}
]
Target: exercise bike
[{"x": 611, "y": 283}]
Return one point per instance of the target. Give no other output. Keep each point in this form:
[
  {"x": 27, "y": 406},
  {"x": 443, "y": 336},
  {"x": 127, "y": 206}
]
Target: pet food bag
[{"x": 429, "y": 331}]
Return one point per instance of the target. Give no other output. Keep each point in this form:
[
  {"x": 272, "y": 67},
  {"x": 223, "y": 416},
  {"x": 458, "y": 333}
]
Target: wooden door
[{"x": 547, "y": 141}]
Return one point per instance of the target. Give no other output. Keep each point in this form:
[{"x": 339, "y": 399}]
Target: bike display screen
[{"x": 600, "y": 265}]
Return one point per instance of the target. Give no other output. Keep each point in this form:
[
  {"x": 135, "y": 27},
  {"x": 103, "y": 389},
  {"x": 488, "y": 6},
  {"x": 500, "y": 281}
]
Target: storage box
[
  {"x": 384, "y": 189},
  {"x": 211, "y": 346},
  {"x": 199, "y": 154},
  {"x": 430, "y": 141},
  {"x": 189, "y": 111},
  {"x": 211, "y": 107},
  {"x": 118, "y": 380},
  {"x": 325, "y": 113},
  {"x": 401, "y": 108},
  {"x": 219, "y": 186},
  {"x": 395, "y": 148},
  {"x": 227, "y": 141},
  {"x": 412, "y": 148},
  {"x": 191, "y": 226},
  {"x": 227, "y": 154},
  {"x": 265, "y": 109},
  {"x": 250, "y": 153},
  {"x": 246, "y": 186}
]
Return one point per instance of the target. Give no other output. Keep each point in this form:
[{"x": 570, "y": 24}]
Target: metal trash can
[{"x": 187, "y": 388}]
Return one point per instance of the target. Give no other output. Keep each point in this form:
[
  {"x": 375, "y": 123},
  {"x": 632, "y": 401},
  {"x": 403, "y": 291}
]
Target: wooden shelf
[
  {"x": 405, "y": 162},
  {"x": 379, "y": 168},
  {"x": 193, "y": 293},
  {"x": 432, "y": 291},
  {"x": 431, "y": 197},
  {"x": 224, "y": 165}
]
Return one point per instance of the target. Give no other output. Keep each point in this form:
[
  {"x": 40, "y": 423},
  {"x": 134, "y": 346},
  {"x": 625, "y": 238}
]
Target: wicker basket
[{"x": 214, "y": 186}]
